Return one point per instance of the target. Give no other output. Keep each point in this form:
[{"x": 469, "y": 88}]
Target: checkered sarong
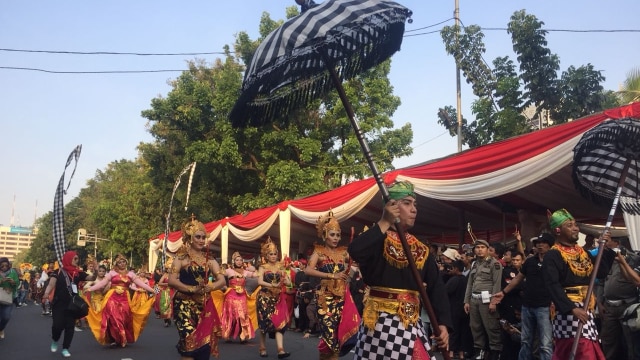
[
  {"x": 389, "y": 339},
  {"x": 565, "y": 326}
]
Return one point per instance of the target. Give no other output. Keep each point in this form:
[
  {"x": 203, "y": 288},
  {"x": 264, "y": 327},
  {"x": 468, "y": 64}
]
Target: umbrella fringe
[
  {"x": 607, "y": 146},
  {"x": 278, "y": 88}
]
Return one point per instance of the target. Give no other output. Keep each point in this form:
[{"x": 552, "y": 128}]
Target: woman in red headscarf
[{"x": 65, "y": 282}]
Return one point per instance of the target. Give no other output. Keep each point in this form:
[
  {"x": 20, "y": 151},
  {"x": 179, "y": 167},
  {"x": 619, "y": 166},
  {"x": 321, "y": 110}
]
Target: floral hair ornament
[
  {"x": 190, "y": 227},
  {"x": 558, "y": 218},
  {"x": 325, "y": 223}
]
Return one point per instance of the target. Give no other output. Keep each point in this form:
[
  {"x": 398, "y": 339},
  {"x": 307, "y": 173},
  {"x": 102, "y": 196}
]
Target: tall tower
[{"x": 13, "y": 209}]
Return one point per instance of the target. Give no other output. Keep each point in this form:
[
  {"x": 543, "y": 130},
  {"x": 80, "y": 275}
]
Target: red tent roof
[{"x": 493, "y": 187}]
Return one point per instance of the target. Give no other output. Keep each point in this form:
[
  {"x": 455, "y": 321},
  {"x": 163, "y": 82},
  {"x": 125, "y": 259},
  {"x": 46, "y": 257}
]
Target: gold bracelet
[{"x": 330, "y": 275}]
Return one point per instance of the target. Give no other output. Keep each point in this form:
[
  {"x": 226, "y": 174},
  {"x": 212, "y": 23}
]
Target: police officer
[{"x": 484, "y": 280}]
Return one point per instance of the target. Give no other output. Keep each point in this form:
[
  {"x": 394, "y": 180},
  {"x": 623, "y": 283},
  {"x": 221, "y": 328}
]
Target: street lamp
[{"x": 84, "y": 237}]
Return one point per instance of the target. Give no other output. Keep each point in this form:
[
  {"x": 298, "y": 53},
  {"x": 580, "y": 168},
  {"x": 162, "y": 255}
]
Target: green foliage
[
  {"x": 237, "y": 170},
  {"x": 630, "y": 91},
  {"x": 504, "y": 93}
]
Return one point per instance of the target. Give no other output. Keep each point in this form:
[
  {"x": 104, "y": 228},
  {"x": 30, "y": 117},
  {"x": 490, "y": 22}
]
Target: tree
[
  {"x": 506, "y": 91},
  {"x": 312, "y": 150},
  {"x": 630, "y": 91}
]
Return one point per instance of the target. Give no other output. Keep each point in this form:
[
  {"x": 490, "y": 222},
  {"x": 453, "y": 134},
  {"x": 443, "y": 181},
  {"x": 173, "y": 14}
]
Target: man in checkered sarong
[
  {"x": 566, "y": 270},
  {"x": 391, "y": 327}
]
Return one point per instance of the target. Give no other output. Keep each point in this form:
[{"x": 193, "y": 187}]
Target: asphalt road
[{"x": 28, "y": 336}]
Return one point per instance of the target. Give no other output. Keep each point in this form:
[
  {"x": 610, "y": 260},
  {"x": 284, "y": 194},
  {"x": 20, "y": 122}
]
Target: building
[{"x": 14, "y": 239}]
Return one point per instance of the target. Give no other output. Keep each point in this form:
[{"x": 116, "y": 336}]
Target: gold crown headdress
[
  {"x": 325, "y": 223},
  {"x": 234, "y": 256},
  {"x": 90, "y": 260},
  {"x": 190, "y": 227},
  {"x": 267, "y": 247}
]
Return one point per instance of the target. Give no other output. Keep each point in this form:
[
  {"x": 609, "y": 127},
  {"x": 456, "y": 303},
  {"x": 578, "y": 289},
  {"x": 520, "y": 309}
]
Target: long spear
[{"x": 191, "y": 166}]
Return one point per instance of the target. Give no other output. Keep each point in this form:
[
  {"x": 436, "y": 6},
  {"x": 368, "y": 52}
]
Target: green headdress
[
  {"x": 558, "y": 218},
  {"x": 400, "y": 190}
]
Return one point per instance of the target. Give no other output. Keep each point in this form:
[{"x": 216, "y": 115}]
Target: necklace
[
  {"x": 197, "y": 258},
  {"x": 336, "y": 259}
]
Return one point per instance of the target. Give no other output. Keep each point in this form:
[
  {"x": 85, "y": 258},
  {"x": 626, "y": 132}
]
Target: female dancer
[
  {"x": 338, "y": 316},
  {"x": 194, "y": 313},
  {"x": 236, "y": 316},
  {"x": 273, "y": 314},
  {"x": 95, "y": 298},
  {"x": 121, "y": 319},
  {"x": 163, "y": 303},
  {"x": 62, "y": 283}
]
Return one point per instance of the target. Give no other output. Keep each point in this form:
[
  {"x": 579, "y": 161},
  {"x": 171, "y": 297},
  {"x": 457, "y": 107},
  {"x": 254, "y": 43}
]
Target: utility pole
[{"x": 456, "y": 15}]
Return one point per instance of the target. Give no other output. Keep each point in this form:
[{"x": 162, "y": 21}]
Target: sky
[{"x": 44, "y": 115}]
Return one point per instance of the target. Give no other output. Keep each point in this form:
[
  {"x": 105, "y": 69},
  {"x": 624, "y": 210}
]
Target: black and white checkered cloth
[
  {"x": 389, "y": 339},
  {"x": 565, "y": 326},
  {"x": 58, "y": 206},
  {"x": 289, "y": 68}
]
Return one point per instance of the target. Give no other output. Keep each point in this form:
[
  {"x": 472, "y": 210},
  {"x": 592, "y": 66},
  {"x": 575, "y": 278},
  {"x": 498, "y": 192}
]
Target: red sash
[
  {"x": 350, "y": 319},
  {"x": 208, "y": 329},
  {"x": 281, "y": 315}
]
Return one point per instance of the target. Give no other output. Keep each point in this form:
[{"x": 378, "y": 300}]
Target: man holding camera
[{"x": 619, "y": 293}]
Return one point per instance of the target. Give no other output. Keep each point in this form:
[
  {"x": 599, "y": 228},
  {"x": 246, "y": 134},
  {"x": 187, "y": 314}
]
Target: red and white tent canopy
[{"x": 492, "y": 187}]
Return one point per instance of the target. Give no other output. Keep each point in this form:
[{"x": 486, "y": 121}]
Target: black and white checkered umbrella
[
  {"x": 605, "y": 167},
  {"x": 600, "y": 157},
  {"x": 314, "y": 53},
  {"x": 291, "y": 67}
]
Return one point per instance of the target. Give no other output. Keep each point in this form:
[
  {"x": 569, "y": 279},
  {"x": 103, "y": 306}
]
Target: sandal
[
  {"x": 263, "y": 352},
  {"x": 283, "y": 354}
]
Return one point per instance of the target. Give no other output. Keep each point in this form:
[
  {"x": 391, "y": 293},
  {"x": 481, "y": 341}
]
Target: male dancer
[{"x": 566, "y": 270}]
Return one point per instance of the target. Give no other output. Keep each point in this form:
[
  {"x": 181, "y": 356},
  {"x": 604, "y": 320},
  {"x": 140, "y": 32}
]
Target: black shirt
[
  {"x": 62, "y": 290},
  {"x": 535, "y": 292},
  {"x": 367, "y": 250}
]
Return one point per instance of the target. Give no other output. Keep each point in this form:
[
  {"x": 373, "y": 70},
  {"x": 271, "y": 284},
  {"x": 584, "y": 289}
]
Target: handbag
[
  {"x": 78, "y": 307},
  {"x": 6, "y": 297},
  {"x": 631, "y": 317}
]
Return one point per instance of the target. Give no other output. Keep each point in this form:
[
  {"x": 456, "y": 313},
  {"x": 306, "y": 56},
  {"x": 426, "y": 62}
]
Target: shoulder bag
[
  {"x": 6, "y": 295},
  {"x": 77, "y": 305}
]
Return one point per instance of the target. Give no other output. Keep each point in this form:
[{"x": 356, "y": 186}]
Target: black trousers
[{"x": 62, "y": 321}]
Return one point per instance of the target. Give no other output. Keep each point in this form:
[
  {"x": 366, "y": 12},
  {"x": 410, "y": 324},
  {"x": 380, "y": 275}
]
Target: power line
[
  {"x": 112, "y": 52},
  {"x": 118, "y": 53},
  {"x": 90, "y": 72}
]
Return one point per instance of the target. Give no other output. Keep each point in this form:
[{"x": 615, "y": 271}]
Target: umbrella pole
[
  {"x": 594, "y": 272},
  {"x": 426, "y": 303}
]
